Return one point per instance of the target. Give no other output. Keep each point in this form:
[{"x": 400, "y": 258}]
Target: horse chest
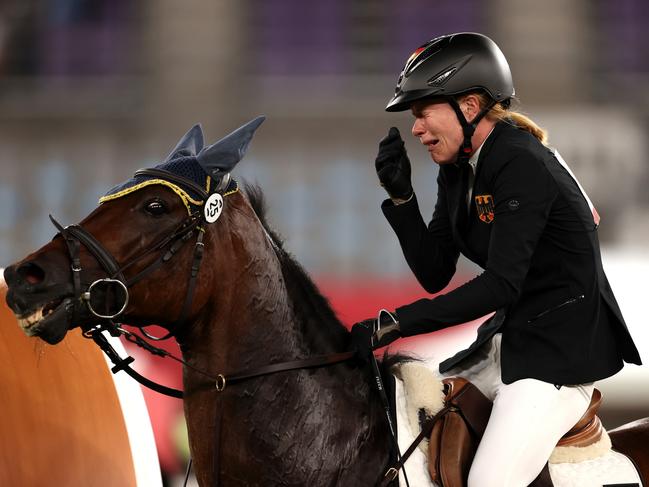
[{"x": 285, "y": 432}]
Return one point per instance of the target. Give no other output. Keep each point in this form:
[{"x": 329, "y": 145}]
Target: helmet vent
[
  {"x": 399, "y": 81},
  {"x": 442, "y": 78},
  {"x": 419, "y": 56}
]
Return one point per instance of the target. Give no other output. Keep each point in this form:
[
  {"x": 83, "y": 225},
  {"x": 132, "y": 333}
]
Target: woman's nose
[{"x": 418, "y": 128}]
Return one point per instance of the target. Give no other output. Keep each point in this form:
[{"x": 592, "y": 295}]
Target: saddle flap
[
  {"x": 434, "y": 444},
  {"x": 456, "y": 452},
  {"x": 455, "y": 437}
]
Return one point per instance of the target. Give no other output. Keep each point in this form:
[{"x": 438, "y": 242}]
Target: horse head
[{"x": 127, "y": 260}]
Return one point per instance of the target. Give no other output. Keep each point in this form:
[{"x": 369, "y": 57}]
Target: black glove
[
  {"x": 393, "y": 166},
  {"x": 367, "y": 335},
  {"x": 361, "y": 339}
]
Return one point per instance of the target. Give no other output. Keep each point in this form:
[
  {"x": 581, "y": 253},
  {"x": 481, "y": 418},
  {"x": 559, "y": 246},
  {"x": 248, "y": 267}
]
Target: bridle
[
  {"x": 75, "y": 236},
  {"x": 118, "y": 285}
]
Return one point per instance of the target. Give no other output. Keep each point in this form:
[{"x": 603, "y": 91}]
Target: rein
[
  {"x": 75, "y": 236},
  {"x": 217, "y": 382}
]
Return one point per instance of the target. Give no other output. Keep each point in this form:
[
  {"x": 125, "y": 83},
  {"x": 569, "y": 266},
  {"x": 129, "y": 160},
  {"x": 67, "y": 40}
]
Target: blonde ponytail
[{"x": 523, "y": 122}]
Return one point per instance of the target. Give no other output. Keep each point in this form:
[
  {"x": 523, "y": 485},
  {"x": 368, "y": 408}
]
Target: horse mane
[
  {"x": 311, "y": 307},
  {"x": 301, "y": 287},
  {"x": 257, "y": 200}
]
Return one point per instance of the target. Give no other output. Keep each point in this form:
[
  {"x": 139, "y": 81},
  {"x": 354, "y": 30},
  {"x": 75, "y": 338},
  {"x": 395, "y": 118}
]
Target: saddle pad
[
  {"x": 612, "y": 468},
  {"x": 417, "y": 465}
]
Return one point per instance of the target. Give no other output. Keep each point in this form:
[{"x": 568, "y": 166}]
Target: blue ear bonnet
[
  {"x": 204, "y": 166},
  {"x": 186, "y": 167}
]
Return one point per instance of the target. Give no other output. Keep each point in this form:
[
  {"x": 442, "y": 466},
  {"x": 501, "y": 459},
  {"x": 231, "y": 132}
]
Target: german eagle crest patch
[{"x": 485, "y": 206}]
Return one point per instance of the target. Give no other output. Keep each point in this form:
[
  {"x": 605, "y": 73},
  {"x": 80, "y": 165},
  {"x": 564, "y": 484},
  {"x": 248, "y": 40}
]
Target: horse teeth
[{"x": 29, "y": 321}]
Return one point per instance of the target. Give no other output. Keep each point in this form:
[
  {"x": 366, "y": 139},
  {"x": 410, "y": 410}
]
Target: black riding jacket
[{"x": 531, "y": 229}]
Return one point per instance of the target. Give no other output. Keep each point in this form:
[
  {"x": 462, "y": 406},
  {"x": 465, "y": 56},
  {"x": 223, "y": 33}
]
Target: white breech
[{"x": 528, "y": 418}]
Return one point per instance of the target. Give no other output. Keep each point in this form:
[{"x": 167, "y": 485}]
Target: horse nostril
[{"x": 31, "y": 273}]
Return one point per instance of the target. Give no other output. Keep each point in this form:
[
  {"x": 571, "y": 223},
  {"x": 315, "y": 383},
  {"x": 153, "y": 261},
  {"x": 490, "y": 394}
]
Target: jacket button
[{"x": 513, "y": 205}]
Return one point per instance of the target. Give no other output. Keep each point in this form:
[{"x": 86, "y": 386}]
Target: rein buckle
[
  {"x": 391, "y": 474},
  {"x": 220, "y": 382}
]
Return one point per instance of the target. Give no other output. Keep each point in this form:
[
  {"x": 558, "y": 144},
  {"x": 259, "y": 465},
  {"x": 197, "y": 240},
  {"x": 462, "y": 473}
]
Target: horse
[{"x": 235, "y": 300}]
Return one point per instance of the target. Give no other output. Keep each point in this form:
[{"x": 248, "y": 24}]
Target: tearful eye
[{"x": 156, "y": 208}]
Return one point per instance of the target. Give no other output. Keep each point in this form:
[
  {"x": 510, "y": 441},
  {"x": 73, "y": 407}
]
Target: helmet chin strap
[{"x": 468, "y": 128}]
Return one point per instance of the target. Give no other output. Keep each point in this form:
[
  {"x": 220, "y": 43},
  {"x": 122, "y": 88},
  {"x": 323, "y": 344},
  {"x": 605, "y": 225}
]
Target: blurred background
[{"x": 91, "y": 90}]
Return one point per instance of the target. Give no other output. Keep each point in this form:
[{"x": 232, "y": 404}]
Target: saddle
[{"x": 455, "y": 437}]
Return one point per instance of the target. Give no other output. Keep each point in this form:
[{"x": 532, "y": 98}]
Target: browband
[{"x": 174, "y": 178}]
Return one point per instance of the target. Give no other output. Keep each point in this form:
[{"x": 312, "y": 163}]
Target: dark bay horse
[
  {"x": 252, "y": 305},
  {"x": 182, "y": 246}
]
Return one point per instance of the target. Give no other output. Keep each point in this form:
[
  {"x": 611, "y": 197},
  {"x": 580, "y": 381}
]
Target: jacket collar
[{"x": 488, "y": 143}]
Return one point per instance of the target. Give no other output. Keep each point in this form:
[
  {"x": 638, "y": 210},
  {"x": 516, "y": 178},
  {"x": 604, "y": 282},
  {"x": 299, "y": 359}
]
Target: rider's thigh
[{"x": 528, "y": 419}]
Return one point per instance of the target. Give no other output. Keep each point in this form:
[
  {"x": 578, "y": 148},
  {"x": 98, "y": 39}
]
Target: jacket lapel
[{"x": 456, "y": 192}]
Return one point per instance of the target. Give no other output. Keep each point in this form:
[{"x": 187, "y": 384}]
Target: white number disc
[{"x": 213, "y": 207}]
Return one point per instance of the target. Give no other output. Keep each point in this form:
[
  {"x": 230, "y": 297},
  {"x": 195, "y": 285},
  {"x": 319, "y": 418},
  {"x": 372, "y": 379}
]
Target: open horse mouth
[
  {"x": 28, "y": 322},
  {"x": 50, "y": 322}
]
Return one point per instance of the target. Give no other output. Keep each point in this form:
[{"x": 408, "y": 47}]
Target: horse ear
[
  {"x": 222, "y": 156},
  {"x": 189, "y": 145}
]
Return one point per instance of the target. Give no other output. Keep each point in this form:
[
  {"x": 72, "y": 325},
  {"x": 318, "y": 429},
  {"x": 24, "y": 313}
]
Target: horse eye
[{"x": 156, "y": 208}]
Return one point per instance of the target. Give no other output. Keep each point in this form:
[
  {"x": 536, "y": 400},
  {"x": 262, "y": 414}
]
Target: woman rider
[{"x": 511, "y": 205}]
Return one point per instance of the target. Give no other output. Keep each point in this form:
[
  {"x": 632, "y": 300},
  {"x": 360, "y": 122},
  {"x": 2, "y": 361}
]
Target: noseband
[{"x": 116, "y": 283}]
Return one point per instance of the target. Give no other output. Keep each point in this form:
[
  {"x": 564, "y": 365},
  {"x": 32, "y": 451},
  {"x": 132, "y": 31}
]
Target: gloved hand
[
  {"x": 393, "y": 166},
  {"x": 361, "y": 339},
  {"x": 368, "y": 335}
]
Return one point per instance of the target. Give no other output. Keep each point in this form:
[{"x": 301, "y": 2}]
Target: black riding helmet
[{"x": 450, "y": 65}]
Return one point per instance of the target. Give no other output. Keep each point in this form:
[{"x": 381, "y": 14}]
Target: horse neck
[
  {"x": 263, "y": 312},
  {"x": 264, "y": 309}
]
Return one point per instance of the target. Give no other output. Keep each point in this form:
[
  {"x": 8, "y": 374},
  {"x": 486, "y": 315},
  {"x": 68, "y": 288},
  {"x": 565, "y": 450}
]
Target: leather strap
[
  {"x": 378, "y": 381},
  {"x": 426, "y": 429},
  {"x": 218, "y": 382},
  {"x": 223, "y": 380},
  {"x": 315, "y": 361},
  {"x": 124, "y": 364},
  {"x": 468, "y": 128},
  {"x": 104, "y": 258},
  {"x": 191, "y": 286},
  {"x": 216, "y": 454},
  {"x": 173, "y": 178},
  {"x": 182, "y": 233}
]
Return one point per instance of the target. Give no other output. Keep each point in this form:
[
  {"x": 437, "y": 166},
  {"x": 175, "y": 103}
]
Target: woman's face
[{"x": 437, "y": 127}]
